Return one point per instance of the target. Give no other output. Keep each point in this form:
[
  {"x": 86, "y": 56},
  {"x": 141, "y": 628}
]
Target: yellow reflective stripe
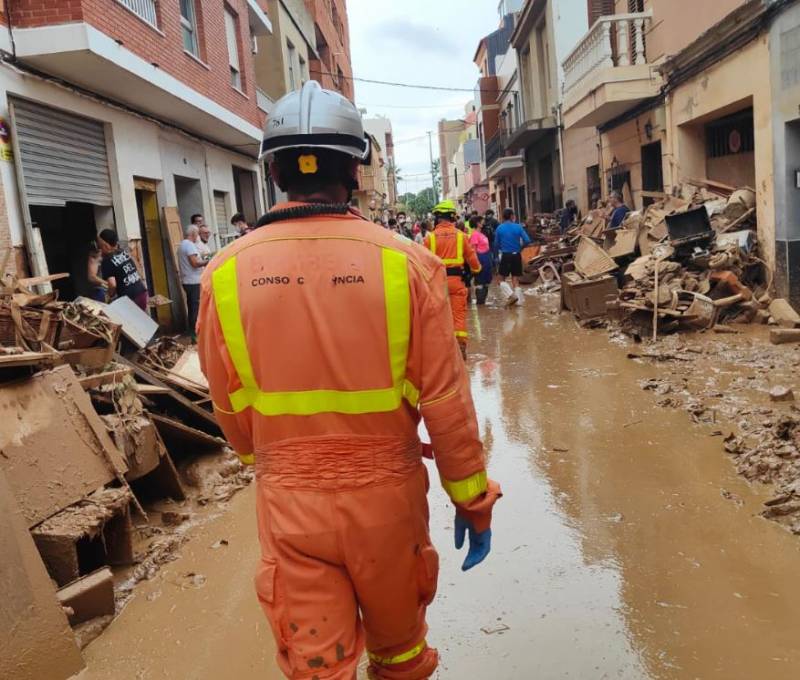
[
  {"x": 459, "y": 258},
  {"x": 462, "y": 334},
  {"x": 247, "y": 458},
  {"x": 397, "y": 297},
  {"x": 225, "y": 282},
  {"x": 466, "y": 489},
  {"x": 412, "y": 653}
]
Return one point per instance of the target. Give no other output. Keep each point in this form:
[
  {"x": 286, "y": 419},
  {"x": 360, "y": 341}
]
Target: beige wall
[
  {"x": 271, "y": 61},
  {"x": 677, "y": 23},
  {"x": 624, "y": 144},
  {"x": 580, "y": 150},
  {"x": 717, "y": 92}
]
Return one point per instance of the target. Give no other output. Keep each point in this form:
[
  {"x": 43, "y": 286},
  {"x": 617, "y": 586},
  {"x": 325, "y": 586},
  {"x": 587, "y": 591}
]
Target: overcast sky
[{"x": 428, "y": 42}]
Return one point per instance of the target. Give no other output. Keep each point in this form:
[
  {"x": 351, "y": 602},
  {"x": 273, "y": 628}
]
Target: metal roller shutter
[
  {"x": 224, "y": 228},
  {"x": 63, "y": 157}
]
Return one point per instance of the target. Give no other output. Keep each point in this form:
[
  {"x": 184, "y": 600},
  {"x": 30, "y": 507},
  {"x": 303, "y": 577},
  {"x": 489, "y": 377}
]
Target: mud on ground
[{"x": 743, "y": 388}]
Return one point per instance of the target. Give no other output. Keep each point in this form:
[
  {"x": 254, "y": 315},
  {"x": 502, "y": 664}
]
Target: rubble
[{"x": 104, "y": 435}]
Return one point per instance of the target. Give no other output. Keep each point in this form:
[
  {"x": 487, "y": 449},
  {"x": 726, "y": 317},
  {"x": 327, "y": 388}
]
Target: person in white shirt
[
  {"x": 204, "y": 243},
  {"x": 191, "y": 263}
]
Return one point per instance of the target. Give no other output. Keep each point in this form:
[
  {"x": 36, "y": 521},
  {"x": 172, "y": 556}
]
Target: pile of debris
[
  {"x": 687, "y": 262},
  {"x": 108, "y": 425}
]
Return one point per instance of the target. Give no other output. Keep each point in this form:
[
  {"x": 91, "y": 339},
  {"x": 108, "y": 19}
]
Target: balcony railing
[
  {"x": 144, "y": 9},
  {"x": 494, "y": 149},
  {"x": 613, "y": 42}
]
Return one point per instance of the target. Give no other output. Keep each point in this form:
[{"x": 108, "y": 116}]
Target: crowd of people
[{"x": 112, "y": 272}]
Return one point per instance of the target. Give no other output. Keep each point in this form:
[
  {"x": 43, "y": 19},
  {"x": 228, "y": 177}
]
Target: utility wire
[{"x": 437, "y": 88}]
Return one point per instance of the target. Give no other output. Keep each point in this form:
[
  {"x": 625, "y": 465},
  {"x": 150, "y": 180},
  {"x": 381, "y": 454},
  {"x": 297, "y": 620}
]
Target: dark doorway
[
  {"x": 547, "y": 197},
  {"x": 522, "y": 207},
  {"x": 652, "y": 171},
  {"x": 593, "y": 189},
  {"x": 68, "y": 234},
  {"x": 244, "y": 183}
]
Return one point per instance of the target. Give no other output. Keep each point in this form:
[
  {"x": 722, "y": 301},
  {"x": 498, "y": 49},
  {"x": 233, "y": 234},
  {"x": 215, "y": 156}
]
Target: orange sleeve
[
  {"x": 445, "y": 399},
  {"x": 471, "y": 257},
  {"x": 222, "y": 379}
]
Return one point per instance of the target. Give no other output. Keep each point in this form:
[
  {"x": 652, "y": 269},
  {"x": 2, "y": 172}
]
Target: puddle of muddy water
[{"x": 626, "y": 546}]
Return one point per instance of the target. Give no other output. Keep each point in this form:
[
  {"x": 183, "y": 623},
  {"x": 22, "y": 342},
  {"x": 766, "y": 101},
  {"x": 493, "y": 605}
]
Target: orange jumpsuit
[
  {"x": 454, "y": 249},
  {"x": 319, "y": 339}
]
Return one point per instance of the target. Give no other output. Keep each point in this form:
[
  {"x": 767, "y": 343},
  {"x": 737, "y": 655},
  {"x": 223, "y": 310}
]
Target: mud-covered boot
[
  {"x": 481, "y": 293},
  {"x": 518, "y": 294}
]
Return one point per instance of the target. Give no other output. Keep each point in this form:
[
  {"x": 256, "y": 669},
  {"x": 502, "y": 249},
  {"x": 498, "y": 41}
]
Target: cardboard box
[{"x": 587, "y": 298}]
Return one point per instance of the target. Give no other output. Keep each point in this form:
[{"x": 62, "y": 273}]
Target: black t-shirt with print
[{"x": 121, "y": 266}]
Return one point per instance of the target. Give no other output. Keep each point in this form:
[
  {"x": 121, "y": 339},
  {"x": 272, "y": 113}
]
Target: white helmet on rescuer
[{"x": 315, "y": 118}]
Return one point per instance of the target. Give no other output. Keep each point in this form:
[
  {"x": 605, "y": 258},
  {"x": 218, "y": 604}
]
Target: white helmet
[{"x": 315, "y": 118}]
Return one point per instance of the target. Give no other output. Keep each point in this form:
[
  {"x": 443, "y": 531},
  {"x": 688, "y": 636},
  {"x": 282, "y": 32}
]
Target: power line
[
  {"x": 409, "y": 85},
  {"x": 392, "y": 106}
]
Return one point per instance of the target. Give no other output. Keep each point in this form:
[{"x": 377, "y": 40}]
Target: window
[
  {"x": 291, "y": 53},
  {"x": 144, "y": 9},
  {"x": 189, "y": 27},
  {"x": 231, "y": 33}
]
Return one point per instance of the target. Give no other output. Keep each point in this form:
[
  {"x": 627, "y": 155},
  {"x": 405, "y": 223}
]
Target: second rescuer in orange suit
[
  {"x": 321, "y": 336},
  {"x": 454, "y": 249}
]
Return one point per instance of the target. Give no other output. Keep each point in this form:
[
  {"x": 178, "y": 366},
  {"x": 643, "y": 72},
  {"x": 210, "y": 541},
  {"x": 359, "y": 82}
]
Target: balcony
[
  {"x": 498, "y": 164},
  {"x": 82, "y": 54},
  {"x": 607, "y": 73},
  {"x": 529, "y": 132}
]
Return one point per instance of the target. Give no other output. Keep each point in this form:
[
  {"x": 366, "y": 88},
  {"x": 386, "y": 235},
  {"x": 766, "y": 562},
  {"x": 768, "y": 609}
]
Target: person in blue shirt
[
  {"x": 618, "y": 210},
  {"x": 509, "y": 240}
]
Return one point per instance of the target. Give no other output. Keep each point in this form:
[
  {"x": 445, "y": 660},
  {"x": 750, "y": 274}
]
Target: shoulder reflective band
[
  {"x": 459, "y": 258},
  {"x": 466, "y": 489},
  {"x": 397, "y": 298},
  {"x": 400, "y": 658}
]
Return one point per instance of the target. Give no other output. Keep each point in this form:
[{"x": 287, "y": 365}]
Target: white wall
[{"x": 136, "y": 147}]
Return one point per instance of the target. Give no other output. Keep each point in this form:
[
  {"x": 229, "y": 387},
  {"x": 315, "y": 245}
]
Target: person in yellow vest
[
  {"x": 452, "y": 246},
  {"x": 346, "y": 556}
]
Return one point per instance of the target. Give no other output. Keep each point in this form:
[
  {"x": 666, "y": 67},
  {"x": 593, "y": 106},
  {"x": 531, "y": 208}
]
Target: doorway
[
  {"x": 189, "y": 197},
  {"x": 68, "y": 234},
  {"x": 593, "y": 186},
  {"x": 546, "y": 188},
  {"x": 522, "y": 208},
  {"x": 153, "y": 247},
  {"x": 246, "y": 193},
  {"x": 652, "y": 171}
]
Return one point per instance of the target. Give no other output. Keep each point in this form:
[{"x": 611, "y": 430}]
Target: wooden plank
[
  {"x": 90, "y": 382},
  {"x": 35, "y": 637},
  {"x": 174, "y": 431},
  {"x": 710, "y": 184},
  {"x": 152, "y": 389},
  {"x": 63, "y": 453},
  {"x": 188, "y": 367},
  {"x": 28, "y": 359},
  {"x": 183, "y": 406},
  {"x": 38, "y": 280}
]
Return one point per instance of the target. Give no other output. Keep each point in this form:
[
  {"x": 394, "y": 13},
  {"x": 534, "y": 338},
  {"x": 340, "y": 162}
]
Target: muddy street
[{"x": 617, "y": 550}]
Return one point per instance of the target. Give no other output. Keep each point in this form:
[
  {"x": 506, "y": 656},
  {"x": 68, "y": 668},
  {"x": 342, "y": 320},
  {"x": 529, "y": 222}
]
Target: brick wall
[
  {"x": 164, "y": 46},
  {"x": 334, "y": 48}
]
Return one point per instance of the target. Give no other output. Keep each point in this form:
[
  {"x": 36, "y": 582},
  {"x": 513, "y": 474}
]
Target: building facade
[
  {"x": 332, "y": 65},
  {"x": 380, "y": 129},
  {"x": 132, "y": 115},
  {"x": 282, "y": 60}
]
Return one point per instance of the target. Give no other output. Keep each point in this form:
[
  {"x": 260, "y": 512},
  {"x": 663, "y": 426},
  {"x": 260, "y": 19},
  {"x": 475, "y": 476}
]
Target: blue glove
[{"x": 480, "y": 544}]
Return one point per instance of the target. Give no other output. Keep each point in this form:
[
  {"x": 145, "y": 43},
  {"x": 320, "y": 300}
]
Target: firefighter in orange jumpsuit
[
  {"x": 453, "y": 248},
  {"x": 321, "y": 338}
]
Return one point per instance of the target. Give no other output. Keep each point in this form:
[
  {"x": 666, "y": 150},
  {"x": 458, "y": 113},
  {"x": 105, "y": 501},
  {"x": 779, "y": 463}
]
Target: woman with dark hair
[{"x": 480, "y": 242}]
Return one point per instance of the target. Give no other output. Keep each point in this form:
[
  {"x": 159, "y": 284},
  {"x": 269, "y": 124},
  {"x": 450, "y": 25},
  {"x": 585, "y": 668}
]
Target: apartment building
[
  {"x": 282, "y": 60},
  {"x": 332, "y": 65},
  {"x": 380, "y": 129},
  {"x": 371, "y": 197},
  {"x": 129, "y": 114}
]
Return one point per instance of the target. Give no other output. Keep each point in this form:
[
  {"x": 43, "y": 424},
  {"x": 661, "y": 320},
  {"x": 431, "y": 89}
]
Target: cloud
[{"x": 410, "y": 34}]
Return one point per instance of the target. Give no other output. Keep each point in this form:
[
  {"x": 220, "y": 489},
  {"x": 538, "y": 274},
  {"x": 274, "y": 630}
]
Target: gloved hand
[{"x": 480, "y": 544}]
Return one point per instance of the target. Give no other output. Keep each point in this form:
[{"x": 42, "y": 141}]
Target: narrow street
[{"x": 616, "y": 554}]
